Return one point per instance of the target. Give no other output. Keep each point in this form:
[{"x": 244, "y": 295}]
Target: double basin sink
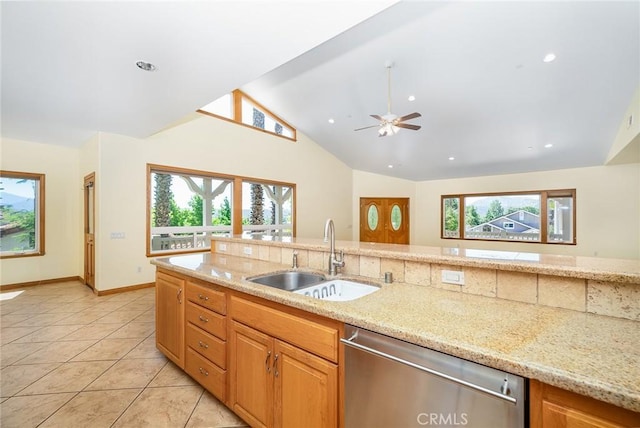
[{"x": 315, "y": 285}]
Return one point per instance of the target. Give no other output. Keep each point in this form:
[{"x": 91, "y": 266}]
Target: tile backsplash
[{"x": 599, "y": 297}]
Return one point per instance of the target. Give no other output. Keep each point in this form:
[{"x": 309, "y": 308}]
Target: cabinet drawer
[
  {"x": 207, "y": 374},
  {"x": 207, "y": 297},
  {"x": 312, "y": 336},
  {"x": 207, "y": 320},
  {"x": 207, "y": 345}
]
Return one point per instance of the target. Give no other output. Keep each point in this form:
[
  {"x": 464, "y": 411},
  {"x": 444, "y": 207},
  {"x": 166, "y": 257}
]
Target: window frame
[
  {"x": 39, "y": 209},
  {"x": 236, "y": 112},
  {"x": 236, "y": 203},
  {"x": 544, "y": 195}
]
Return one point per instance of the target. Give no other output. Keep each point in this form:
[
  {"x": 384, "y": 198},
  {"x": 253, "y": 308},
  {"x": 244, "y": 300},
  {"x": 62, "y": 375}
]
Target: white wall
[
  {"x": 323, "y": 184},
  {"x": 369, "y": 185},
  {"x": 63, "y": 208},
  {"x": 607, "y": 203}
]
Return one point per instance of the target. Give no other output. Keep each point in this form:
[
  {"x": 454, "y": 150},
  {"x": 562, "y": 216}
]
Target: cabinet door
[
  {"x": 306, "y": 389},
  {"x": 170, "y": 317},
  {"x": 251, "y": 367}
]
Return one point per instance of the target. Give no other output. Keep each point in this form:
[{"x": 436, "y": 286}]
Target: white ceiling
[{"x": 476, "y": 69}]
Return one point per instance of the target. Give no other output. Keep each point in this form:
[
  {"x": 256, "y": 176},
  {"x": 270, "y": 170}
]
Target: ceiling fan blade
[
  {"x": 375, "y": 116},
  {"x": 408, "y": 126},
  {"x": 408, "y": 117},
  {"x": 367, "y": 127}
]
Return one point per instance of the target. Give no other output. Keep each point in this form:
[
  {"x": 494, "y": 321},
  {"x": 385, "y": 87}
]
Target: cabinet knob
[
  {"x": 203, "y": 345},
  {"x": 203, "y": 319},
  {"x": 205, "y": 298}
]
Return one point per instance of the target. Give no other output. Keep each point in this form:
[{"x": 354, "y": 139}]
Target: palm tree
[{"x": 163, "y": 196}]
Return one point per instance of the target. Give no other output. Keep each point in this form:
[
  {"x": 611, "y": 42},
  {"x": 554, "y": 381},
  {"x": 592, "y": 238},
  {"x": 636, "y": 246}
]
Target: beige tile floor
[{"x": 69, "y": 358}]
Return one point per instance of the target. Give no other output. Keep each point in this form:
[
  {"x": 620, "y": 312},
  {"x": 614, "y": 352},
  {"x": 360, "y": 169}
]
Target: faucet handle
[{"x": 341, "y": 258}]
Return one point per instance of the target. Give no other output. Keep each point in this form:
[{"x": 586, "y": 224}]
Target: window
[
  {"x": 186, "y": 208},
  {"x": 21, "y": 214},
  {"x": 267, "y": 209},
  {"x": 542, "y": 216},
  {"x": 240, "y": 108}
]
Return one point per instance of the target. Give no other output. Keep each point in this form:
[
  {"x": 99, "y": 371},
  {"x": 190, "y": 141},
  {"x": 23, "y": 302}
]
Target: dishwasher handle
[{"x": 351, "y": 343}]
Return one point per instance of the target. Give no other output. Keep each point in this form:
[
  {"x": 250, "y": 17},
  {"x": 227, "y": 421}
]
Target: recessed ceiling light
[
  {"x": 548, "y": 146},
  {"x": 412, "y": 98},
  {"x": 332, "y": 121},
  {"x": 146, "y": 66},
  {"x": 549, "y": 57},
  {"x": 529, "y": 148},
  {"x": 452, "y": 158},
  {"x": 389, "y": 166}
]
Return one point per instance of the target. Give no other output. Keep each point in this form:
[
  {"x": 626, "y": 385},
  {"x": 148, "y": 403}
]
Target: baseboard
[
  {"x": 125, "y": 289},
  {"x": 40, "y": 282},
  {"x": 79, "y": 279}
]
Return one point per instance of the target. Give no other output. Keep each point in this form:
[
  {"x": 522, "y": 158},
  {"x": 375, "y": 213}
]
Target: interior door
[
  {"x": 89, "y": 230},
  {"x": 384, "y": 220}
]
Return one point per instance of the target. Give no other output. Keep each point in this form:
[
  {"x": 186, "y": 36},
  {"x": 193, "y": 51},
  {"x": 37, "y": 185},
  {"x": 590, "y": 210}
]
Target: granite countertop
[
  {"x": 589, "y": 354},
  {"x": 594, "y": 268}
]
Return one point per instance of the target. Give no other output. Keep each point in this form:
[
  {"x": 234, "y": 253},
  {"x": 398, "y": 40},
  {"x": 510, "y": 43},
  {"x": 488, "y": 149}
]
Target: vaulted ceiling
[{"x": 476, "y": 70}]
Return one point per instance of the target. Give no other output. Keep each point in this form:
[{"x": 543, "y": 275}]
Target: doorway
[
  {"x": 89, "y": 230},
  {"x": 384, "y": 220}
]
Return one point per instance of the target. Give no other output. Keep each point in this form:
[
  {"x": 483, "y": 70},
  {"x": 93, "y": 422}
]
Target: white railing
[
  {"x": 184, "y": 237},
  {"x": 504, "y": 236}
]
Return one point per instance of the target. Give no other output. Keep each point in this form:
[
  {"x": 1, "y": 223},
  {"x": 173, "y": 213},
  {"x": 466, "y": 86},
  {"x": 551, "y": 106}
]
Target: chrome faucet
[{"x": 330, "y": 236}]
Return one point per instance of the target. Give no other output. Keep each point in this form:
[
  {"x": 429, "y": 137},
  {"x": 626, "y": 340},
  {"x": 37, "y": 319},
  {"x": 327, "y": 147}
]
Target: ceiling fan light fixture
[{"x": 388, "y": 129}]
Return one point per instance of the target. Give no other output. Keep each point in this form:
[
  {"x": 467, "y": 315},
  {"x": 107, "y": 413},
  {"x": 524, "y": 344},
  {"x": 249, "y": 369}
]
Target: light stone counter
[{"x": 590, "y": 354}]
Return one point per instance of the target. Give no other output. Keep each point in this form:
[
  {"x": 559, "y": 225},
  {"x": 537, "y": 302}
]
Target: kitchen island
[{"x": 591, "y": 349}]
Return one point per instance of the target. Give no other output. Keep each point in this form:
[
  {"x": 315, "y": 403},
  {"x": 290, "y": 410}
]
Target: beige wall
[
  {"x": 608, "y": 197},
  {"x": 63, "y": 193},
  {"x": 366, "y": 184},
  {"x": 608, "y": 209},
  {"x": 626, "y": 145},
  {"x": 323, "y": 184}
]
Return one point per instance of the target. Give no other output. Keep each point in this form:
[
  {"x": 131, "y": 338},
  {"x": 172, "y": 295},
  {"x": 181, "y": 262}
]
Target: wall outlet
[
  {"x": 117, "y": 235},
  {"x": 222, "y": 247},
  {"x": 453, "y": 277},
  {"x": 247, "y": 251}
]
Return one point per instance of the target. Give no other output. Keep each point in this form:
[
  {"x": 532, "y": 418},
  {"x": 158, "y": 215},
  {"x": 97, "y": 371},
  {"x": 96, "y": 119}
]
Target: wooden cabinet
[
  {"x": 552, "y": 407},
  {"x": 170, "y": 316},
  {"x": 283, "y": 367},
  {"x": 206, "y": 335}
]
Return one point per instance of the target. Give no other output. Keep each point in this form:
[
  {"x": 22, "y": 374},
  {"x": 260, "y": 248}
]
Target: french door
[{"x": 384, "y": 220}]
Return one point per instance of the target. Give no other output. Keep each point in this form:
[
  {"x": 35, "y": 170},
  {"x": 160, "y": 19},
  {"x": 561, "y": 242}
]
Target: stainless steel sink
[{"x": 289, "y": 281}]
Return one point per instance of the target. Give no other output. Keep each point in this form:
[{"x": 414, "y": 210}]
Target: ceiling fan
[{"x": 390, "y": 124}]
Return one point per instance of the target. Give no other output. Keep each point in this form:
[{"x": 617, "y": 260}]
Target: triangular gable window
[{"x": 240, "y": 108}]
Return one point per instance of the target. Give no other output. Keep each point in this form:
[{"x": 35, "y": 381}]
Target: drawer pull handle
[
  {"x": 203, "y": 371},
  {"x": 203, "y": 319},
  {"x": 178, "y": 296},
  {"x": 203, "y": 345},
  {"x": 205, "y": 298},
  {"x": 275, "y": 366},
  {"x": 266, "y": 362}
]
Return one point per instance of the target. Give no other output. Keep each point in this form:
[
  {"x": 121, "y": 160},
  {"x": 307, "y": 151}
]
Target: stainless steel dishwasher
[{"x": 391, "y": 383}]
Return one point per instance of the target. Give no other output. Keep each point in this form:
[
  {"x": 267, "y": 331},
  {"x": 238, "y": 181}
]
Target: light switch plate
[
  {"x": 222, "y": 247},
  {"x": 453, "y": 277}
]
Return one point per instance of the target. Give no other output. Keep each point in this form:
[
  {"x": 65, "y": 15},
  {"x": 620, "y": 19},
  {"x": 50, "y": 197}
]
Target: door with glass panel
[
  {"x": 89, "y": 232},
  {"x": 384, "y": 220}
]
